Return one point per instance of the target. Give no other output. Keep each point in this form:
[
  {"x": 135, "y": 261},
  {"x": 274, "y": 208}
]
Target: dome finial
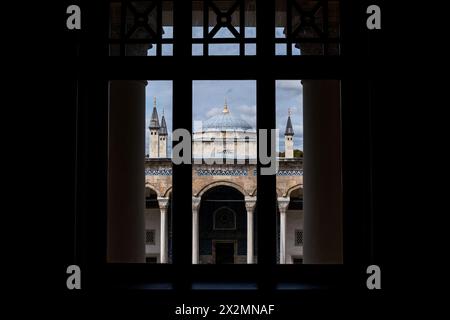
[
  {"x": 154, "y": 101},
  {"x": 225, "y": 107},
  {"x": 289, "y": 112}
]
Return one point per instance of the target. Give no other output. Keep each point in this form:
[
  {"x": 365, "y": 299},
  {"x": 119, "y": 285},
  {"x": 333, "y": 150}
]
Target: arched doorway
[{"x": 222, "y": 226}]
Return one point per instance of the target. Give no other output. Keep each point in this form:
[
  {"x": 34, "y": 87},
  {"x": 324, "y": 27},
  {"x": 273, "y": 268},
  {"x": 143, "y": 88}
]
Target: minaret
[
  {"x": 154, "y": 136},
  {"x": 289, "y": 138},
  {"x": 163, "y": 138}
]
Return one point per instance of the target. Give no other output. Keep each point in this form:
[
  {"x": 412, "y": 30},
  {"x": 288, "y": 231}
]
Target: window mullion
[
  {"x": 265, "y": 119},
  {"x": 182, "y": 174}
]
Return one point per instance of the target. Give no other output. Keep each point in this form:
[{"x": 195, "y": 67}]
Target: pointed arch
[{"x": 151, "y": 188}]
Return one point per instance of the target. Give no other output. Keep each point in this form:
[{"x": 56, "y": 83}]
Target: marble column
[
  {"x": 250, "y": 203},
  {"x": 322, "y": 172},
  {"x": 126, "y": 178},
  {"x": 164, "y": 229},
  {"x": 283, "y": 203},
  {"x": 195, "y": 235}
]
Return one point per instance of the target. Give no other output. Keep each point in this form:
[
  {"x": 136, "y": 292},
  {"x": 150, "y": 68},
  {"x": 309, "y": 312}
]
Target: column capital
[
  {"x": 163, "y": 202},
  {"x": 250, "y": 203},
  {"x": 196, "y": 203},
  {"x": 283, "y": 203}
]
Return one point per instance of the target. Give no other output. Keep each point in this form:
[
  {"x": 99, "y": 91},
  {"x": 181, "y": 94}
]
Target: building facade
[{"x": 223, "y": 193}]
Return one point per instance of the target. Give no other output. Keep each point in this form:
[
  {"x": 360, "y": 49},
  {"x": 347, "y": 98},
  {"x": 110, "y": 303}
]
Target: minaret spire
[
  {"x": 154, "y": 121},
  {"x": 163, "y": 128},
  {"x": 289, "y": 129}
]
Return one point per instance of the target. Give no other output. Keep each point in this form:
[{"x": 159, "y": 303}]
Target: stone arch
[
  {"x": 152, "y": 188},
  {"x": 293, "y": 188},
  {"x": 151, "y": 197},
  {"x": 221, "y": 183},
  {"x": 168, "y": 192}
]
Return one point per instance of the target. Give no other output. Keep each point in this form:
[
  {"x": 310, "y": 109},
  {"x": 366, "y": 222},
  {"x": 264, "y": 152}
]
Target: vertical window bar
[
  {"x": 265, "y": 119},
  {"x": 182, "y": 174},
  {"x": 289, "y": 27},
  {"x": 159, "y": 30},
  {"x": 205, "y": 27},
  {"x": 325, "y": 33},
  {"x": 242, "y": 27},
  {"x": 123, "y": 21}
]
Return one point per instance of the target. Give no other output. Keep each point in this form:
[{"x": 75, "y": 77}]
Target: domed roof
[{"x": 225, "y": 121}]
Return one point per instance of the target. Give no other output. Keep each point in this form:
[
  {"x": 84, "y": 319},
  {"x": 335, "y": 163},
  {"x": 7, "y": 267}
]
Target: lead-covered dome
[{"x": 225, "y": 122}]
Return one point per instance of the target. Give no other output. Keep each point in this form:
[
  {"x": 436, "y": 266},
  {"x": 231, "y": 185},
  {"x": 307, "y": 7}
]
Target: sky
[{"x": 209, "y": 98}]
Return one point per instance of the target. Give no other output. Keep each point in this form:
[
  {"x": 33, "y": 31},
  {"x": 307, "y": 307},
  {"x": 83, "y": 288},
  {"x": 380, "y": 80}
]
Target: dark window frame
[{"x": 92, "y": 124}]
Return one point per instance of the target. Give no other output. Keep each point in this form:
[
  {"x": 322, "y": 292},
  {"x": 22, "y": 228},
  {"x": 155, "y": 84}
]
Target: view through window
[
  {"x": 224, "y": 131},
  {"x": 289, "y": 119},
  {"x": 224, "y": 172},
  {"x": 158, "y": 170}
]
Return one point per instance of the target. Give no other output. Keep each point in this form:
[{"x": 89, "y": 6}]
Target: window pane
[
  {"x": 223, "y": 49},
  {"x": 139, "y": 171},
  {"x": 250, "y": 49},
  {"x": 158, "y": 170},
  {"x": 197, "y": 49},
  {"x": 309, "y": 184},
  {"x": 224, "y": 172},
  {"x": 289, "y": 112},
  {"x": 167, "y": 49}
]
